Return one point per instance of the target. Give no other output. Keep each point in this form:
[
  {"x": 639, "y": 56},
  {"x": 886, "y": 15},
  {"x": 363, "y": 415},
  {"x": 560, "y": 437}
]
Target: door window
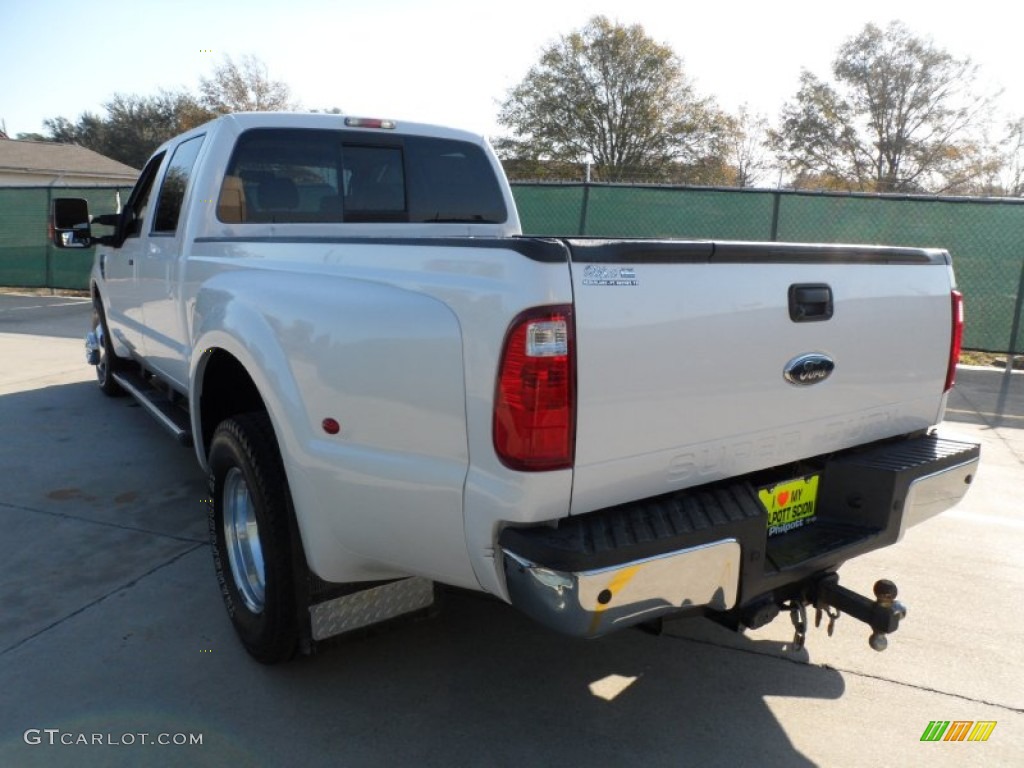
[
  {"x": 172, "y": 189},
  {"x": 138, "y": 204}
]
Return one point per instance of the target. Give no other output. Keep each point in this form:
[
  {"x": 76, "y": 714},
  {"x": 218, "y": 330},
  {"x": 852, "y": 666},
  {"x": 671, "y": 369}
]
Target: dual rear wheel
[{"x": 251, "y": 536}]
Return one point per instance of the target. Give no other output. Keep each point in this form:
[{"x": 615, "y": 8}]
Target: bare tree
[
  {"x": 244, "y": 86},
  {"x": 1009, "y": 179},
  {"x": 748, "y": 147}
]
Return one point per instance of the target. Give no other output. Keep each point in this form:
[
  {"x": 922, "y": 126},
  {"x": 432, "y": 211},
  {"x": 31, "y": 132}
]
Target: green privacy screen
[
  {"x": 27, "y": 260},
  {"x": 985, "y": 236},
  {"x": 663, "y": 212}
]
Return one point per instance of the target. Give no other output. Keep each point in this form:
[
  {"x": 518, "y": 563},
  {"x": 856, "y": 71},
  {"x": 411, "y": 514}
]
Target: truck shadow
[
  {"x": 92, "y": 496},
  {"x": 479, "y": 684},
  {"x": 70, "y": 451},
  {"x": 482, "y": 685}
]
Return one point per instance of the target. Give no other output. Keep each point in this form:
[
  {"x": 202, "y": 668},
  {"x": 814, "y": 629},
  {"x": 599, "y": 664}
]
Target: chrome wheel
[
  {"x": 107, "y": 363},
  {"x": 241, "y": 535},
  {"x": 251, "y": 523},
  {"x": 102, "y": 367}
]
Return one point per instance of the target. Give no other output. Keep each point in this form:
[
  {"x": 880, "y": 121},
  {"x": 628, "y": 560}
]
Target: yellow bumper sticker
[{"x": 790, "y": 505}]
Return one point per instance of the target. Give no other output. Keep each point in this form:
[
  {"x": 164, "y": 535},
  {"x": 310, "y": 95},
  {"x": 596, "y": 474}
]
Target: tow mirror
[{"x": 69, "y": 223}]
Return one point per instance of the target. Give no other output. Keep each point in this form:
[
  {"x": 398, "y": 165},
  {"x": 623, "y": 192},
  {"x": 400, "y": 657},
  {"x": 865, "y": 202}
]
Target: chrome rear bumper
[
  {"x": 937, "y": 492},
  {"x": 593, "y": 574},
  {"x": 594, "y": 603}
]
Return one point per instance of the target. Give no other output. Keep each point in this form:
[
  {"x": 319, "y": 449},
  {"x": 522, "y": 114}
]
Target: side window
[
  {"x": 134, "y": 213},
  {"x": 172, "y": 190}
]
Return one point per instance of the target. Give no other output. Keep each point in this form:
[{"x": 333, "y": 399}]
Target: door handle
[{"x": 810, "y": 302}]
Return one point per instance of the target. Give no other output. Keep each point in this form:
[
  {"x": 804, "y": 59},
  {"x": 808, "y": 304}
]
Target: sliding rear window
[{"x": 299, "y": 175}]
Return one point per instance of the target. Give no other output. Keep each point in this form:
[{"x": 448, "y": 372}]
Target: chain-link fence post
[
  {"x": 585, "y": 206},
  {"x": 48, "y": 252},
  {"x": 776, "y": 201},
  {"x": 1016, "y": 345}
]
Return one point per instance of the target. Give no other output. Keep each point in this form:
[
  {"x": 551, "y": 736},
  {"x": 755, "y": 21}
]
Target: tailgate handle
[{"x": 810, "y": 302}]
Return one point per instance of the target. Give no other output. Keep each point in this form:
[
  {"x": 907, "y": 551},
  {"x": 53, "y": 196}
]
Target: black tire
[
  {"x": 109, "y": 362},
  {"x": 248, "y": 482}
]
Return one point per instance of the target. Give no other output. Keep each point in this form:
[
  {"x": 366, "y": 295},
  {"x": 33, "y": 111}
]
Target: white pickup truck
[{"x": 390, "y": 387}]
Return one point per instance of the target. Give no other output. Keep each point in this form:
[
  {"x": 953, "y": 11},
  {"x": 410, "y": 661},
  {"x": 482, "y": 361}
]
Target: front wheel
[
  {"x": 108, "y": 362},
  {"x": 251, "y": 538}
]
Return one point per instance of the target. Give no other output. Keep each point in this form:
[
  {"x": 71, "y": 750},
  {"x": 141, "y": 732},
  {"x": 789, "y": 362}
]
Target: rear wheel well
[{"x": 227, "y": 390}]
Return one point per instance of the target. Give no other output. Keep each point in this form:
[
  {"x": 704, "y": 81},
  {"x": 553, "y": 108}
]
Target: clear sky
[{"x": 447, "y": 61}]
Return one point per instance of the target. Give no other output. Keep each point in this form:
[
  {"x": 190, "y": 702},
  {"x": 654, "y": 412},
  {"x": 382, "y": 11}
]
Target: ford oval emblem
[{"x": 809, "y": 369}]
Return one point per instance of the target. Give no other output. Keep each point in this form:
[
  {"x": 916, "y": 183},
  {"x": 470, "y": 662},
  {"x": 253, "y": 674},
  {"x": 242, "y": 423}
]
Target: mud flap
[{"x": 370, "y": 607}]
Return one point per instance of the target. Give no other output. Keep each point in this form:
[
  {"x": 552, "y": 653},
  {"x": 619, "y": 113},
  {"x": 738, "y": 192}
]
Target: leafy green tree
[
  {"x": 608, "y": 94},
  {"x": 900, "y": 115},
  {"x": 137, "y": 125},
  {"x": 133, "y": 126}
]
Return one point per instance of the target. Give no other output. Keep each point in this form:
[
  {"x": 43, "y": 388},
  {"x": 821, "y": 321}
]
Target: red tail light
[
  {"x": 956, "y": 339},
  {"x": 535, "y": 401}
]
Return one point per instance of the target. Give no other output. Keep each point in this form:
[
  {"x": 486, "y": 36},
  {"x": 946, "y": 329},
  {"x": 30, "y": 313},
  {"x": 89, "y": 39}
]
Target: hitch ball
[
  {"x": 885, "y": 592},
  {"x": 885, "y": 598}
]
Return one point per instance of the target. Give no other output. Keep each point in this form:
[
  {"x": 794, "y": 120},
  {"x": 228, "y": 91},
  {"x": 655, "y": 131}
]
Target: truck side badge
[
  {"x": 808, "y": 369},
  {"x": 596, "y": 274}
]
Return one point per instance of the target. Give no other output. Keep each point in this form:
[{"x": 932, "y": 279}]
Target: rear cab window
[{"x": 308, "y": 175}]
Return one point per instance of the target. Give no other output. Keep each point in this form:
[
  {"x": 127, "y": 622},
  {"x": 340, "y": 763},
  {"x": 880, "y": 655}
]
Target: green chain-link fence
[
  {"x": 27, "y": 259},
  {"x": 985, "y": 236}
]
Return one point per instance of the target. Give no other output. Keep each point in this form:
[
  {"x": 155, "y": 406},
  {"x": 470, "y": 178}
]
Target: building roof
[{"x": 70, "y": 160}]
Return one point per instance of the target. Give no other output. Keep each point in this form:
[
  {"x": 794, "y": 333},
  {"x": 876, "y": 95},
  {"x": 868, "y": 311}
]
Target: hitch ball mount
[{"x": 883, "y": 614}]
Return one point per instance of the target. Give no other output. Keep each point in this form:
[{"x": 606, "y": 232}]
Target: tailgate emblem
[{"x": 808, "y": 369}]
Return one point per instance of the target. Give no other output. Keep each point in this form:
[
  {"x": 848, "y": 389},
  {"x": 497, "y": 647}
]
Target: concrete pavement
[{"x": 111, "y": 625}]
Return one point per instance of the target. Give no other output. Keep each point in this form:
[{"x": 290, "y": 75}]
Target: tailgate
[{"x": 682, "y": 350}]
